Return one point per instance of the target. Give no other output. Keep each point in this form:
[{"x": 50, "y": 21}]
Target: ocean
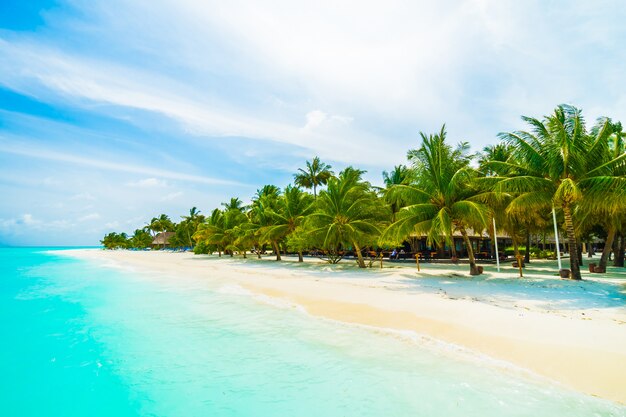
[{"x": 90, "y": 339}]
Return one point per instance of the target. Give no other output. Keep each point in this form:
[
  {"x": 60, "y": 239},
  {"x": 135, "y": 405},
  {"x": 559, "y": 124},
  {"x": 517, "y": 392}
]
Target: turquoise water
[{"x": 80, "y": 339}]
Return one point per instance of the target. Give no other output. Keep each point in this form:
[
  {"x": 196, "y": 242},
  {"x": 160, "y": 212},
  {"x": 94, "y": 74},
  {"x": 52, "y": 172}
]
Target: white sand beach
[{"x": 584, "y": 349}]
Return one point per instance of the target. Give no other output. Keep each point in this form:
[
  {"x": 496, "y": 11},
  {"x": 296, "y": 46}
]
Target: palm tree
[
  {"x": 612, "y": 216},
  {"x": 234, "y": 204},
  {"x": 190, "y": 223},
  {"x": 140, "y": 239},
  {"x": 442, "y": 199},
  {"x": 348, "y": 213},
  {"x": 316, "y": 173},
  {"x": 264, "y": 205},
  {"x": 220, "y": 230},
  {"x": 115, "y": 240},
  {"x": 399, "y": 175},
  {"x": 160, "y": 224},
  {"x": 560, "y": 165},
  {"x": 292, "y": 209}
]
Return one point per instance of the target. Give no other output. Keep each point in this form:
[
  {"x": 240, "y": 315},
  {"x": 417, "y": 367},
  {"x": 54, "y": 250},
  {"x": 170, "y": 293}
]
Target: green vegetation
[{"x": 438, "y": 202}]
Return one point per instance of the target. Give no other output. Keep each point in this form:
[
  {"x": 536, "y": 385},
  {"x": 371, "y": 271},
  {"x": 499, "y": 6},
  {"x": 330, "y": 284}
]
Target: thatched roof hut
[{"x": 162, "y": 239}]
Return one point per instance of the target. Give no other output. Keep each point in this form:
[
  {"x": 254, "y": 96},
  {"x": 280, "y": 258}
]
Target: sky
[{"x": 113, "y": 112}]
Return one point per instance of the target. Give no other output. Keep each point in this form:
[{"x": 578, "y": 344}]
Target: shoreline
[{"x": 584, "y": 350}]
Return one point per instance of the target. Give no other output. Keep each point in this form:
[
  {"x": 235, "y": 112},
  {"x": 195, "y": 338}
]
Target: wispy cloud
[
  {"x": 136, "y": 106},
  {"x": 108, "y": 165}
]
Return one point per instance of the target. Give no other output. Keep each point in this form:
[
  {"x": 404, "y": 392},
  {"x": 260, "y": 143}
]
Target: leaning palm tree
[
  {"x": 189, "y": 225},
  {"x": 347, "y": 214},
  {"x": 442, "y": 199},
  {"x": 316, "y": 173},
  {"x": 560, "y": 165}
]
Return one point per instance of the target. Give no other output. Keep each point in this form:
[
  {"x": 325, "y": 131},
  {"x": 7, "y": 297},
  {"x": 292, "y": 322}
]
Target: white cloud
[
  {"x": 475, "y": 64},
  {"x": 317, "y": 118},
  {"x": 28, "y": 219}
]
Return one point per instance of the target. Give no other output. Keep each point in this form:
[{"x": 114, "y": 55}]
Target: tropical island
[
  {"x": 268, "y": 209},
  {"x": 556, "y": 178}
]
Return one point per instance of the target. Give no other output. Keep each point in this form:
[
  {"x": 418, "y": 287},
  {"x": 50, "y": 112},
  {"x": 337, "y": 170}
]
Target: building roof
[{"x": 163, "y": 238}]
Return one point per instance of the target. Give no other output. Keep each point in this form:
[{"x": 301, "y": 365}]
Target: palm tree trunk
[
  {"x": 580, "y": 254},
  {"x": 492, "y": 235},
  {"x": 515, "y": 246},
  {"x": 619, "y": 253},
  {"x": 527, "y": 254},
  {"x": 453, "y": 254},
  {"x": 277, "y": 250},
  {"x": 300, "y": 258},
  {"x": 571, "y": 242},
  {"x": 359, "y": 255},
  {"x": 470, "y": 253},
  {"x": 608, "y": 247}
]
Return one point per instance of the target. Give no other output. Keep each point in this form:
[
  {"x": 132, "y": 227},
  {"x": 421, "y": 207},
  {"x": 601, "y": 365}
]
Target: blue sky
[{"x": 113, "y": 111}]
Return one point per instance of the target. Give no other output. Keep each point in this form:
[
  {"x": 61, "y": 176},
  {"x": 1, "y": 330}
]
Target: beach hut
[{"x": 162, "y": 239}]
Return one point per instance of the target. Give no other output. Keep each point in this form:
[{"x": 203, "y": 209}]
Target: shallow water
[{"x": 80, "y": 339}]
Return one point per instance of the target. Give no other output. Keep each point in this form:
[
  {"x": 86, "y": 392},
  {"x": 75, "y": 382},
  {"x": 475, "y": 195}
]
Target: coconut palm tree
[
  {"x": 559, "y": 164},
  {"x": 316, "y": 173},
  {"x": 160, "y": 224},
  {"x": 189, "y": 225},
  {"x": 211, "y": 232},
  {"x": 501, "y": 152},
  {"x": 347, "y": 214},
  {"x": 234, "y": 204},
  {"x": 220, "y": 229},
  {"x": 442, "y": 199},
  {"x": 140, "y": 239},
  {"x": 292, "y": 208},
  {"x": 612, "y": 216},
  {"x": 115, "y": 240},
  {"x": 400, "y": 174},
  {"x": 264, "y": 205}
]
